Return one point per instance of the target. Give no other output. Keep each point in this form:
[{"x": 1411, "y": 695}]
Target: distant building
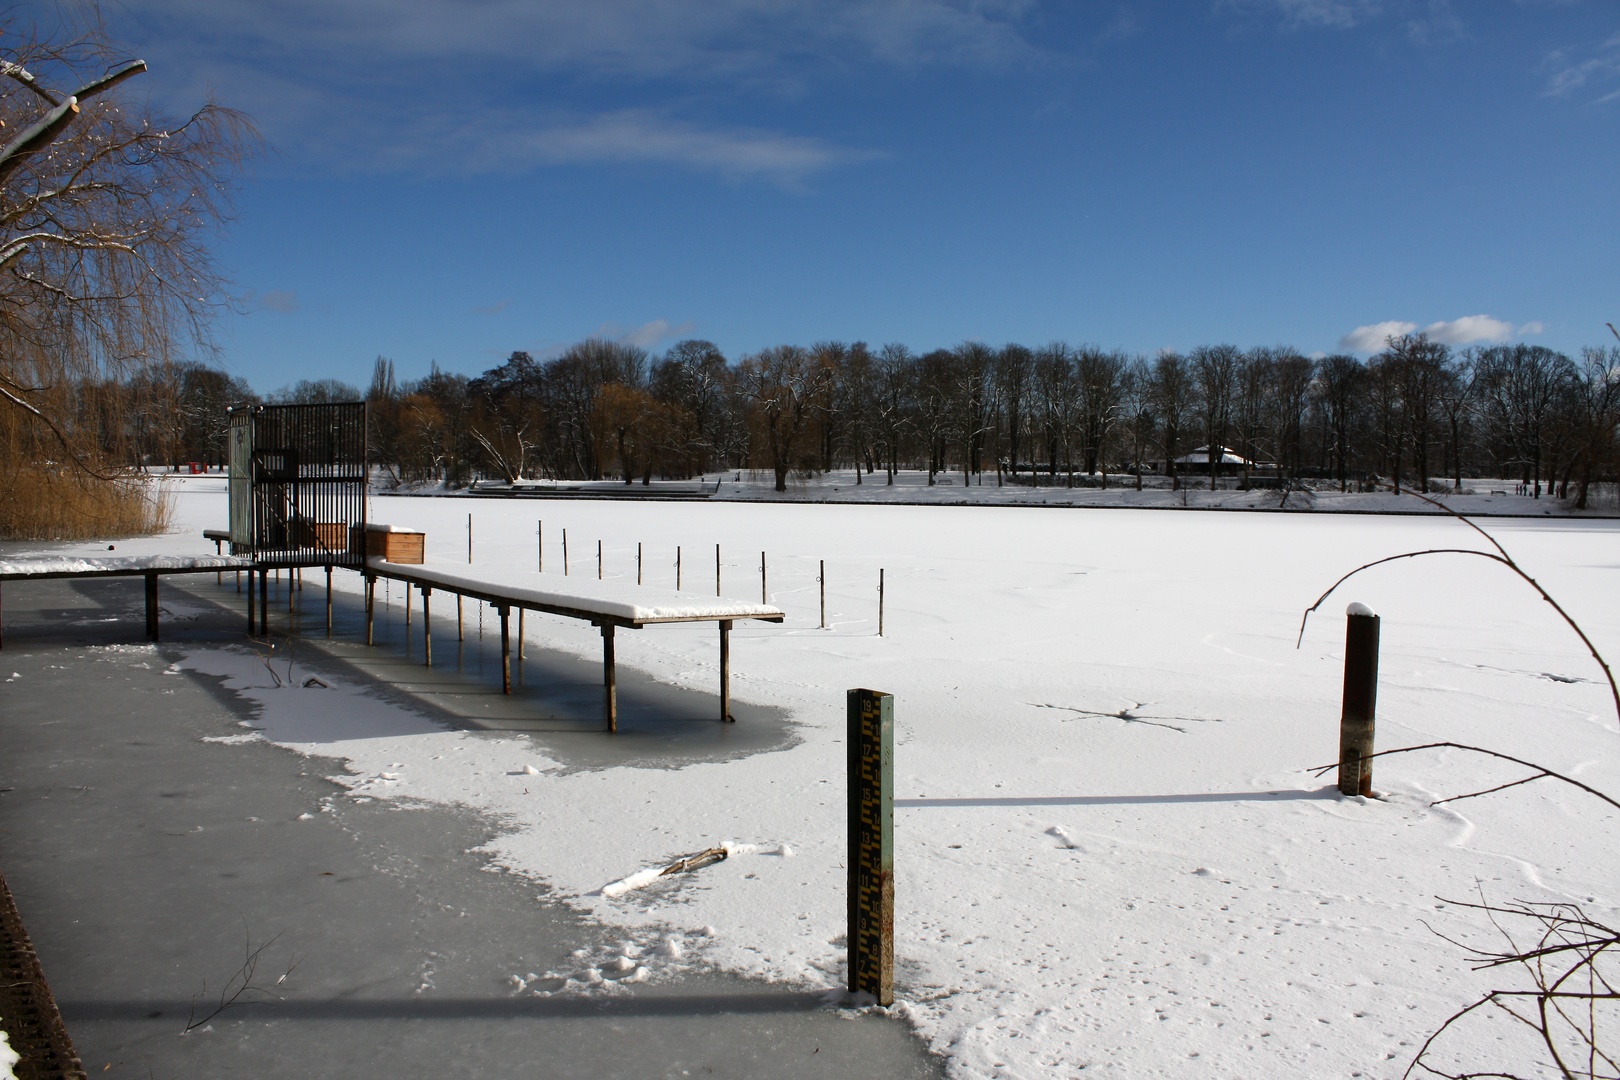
[{"x": 1227, "y": 463}]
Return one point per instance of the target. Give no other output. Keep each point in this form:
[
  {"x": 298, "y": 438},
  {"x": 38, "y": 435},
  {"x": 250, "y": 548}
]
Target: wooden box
[{"x": 395, "y": 545}]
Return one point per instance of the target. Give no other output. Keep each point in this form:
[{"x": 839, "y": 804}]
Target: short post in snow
[
  {"x": 821, "y": 576},
  {"x": 871, "y": 844},
  {"x": 599, "y": 560},
  {"x": 638, "y": 562},
  {"x": 469, "y": 539},
  {"x": 880, "y": 601},
  {"x": 539, "y": 547},
  {"x": 677, "y": 568},
  {"x": 565, "y": 553},
  {"x": 1360, "y": 700},
  {"x": 762, "y": 597},
  {"x": 717, "y": 569}
]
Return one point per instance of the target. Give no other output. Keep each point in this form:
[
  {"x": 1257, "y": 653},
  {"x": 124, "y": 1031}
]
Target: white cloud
[
  {"x": 1469, "y": 330},
  {"x": 1370, "y": 339},
  {"x": 1532, "y": 328},
  {"x": 634, "y": 136}
]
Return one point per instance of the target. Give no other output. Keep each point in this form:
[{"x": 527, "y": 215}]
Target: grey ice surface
[{"x": 147, "y": 863}]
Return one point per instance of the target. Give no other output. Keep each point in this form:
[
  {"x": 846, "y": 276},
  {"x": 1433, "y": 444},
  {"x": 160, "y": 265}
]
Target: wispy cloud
[
  {"x": 493, "y": 309},
  {"x": 1426, "y": 22},
  {"x": 1335, "y": 14},
  {"x": 647, "y": 335},
  {"x": 442, "y": 85},
  {"x": 1571, "y": 71},
  {"x": 1468, "y": 330}
]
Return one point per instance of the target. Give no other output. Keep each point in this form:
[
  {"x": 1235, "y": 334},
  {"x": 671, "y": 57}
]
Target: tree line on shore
[{"x": 1417, "y": 414}]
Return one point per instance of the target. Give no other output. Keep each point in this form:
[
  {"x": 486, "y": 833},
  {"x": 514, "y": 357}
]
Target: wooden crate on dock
[{"x": 395, "y": 545}]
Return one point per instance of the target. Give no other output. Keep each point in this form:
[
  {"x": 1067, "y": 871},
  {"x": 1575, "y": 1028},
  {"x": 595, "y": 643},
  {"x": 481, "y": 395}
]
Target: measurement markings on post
[{"x": 871, "y": 844}]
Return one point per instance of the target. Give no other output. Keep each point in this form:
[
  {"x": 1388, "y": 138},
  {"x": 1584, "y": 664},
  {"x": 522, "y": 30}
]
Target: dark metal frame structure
[{"x": 297, "y": 476}]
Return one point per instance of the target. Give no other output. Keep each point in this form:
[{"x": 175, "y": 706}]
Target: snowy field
[{"x": 1112, "y": 856}]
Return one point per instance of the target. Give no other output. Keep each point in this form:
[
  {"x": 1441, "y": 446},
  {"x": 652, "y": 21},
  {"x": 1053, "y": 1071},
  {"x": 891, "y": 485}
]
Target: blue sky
[{"x": 449, "y": 181}]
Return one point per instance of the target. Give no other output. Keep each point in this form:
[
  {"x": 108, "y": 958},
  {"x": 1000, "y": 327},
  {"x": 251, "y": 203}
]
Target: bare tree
[
  {"x": 786, "y": 388},
  {"x": 1172, "y": 397},
  {"x": 105, "y": 215},
  {"x": 1215, "y": 370}
]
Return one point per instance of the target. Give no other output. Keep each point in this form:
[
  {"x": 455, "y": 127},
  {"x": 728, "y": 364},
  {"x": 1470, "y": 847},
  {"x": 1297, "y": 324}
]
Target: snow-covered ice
[{"x": 1112, "y": 853}]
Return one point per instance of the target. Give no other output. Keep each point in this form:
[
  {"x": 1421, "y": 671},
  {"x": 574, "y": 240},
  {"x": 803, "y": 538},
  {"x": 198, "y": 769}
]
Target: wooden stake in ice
[
  {"x": 1360, "y": 700},
  {"x": 821, "y": 576},
  {"x": 871, "y": 844},
  {"x": 880, "y": 602},
  {"x": 762, "y": 597},
  {"x": 565, "y": 553}
]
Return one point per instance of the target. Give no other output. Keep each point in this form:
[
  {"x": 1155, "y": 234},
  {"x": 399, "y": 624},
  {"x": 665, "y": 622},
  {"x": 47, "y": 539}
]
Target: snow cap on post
[{"x": 1358, "y": 608}]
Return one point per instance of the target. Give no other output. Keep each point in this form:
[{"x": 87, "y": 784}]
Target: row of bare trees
[{"x": 1415, "y": 414}]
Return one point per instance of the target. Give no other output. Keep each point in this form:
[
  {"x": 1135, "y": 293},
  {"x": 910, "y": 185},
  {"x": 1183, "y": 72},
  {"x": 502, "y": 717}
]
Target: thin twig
[{"x": 1501, "y": 557}]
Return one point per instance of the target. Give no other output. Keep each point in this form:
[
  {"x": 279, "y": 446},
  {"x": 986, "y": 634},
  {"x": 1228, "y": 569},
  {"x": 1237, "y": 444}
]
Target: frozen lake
[{"x": 1111, "y": 853}]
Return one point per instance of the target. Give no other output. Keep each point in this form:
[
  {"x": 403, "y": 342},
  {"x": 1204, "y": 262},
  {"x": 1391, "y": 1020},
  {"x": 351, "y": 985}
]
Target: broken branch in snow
[{"x": 684, "y": 864}]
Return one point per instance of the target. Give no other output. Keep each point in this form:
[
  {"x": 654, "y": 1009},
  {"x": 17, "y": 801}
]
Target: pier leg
[
  {"x": 151, "y": 606},
  {"x": 250, "y": 597},
  {"x": 610, "y": 680},
  {"x": 264, "y": 602},
  {"x": 371, "y": 606},
  {"x": 725, "y": 671},
  {"x": 506, "y": 654},
  {"x": 328, "y": 599},
  {"x": 427, "y": 626}
]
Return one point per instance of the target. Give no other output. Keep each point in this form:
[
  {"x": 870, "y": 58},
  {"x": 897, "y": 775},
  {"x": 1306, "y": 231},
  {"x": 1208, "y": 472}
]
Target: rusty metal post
[
  {"x": 1360, "y": 700},
  {"x": 871, "y": 844}
]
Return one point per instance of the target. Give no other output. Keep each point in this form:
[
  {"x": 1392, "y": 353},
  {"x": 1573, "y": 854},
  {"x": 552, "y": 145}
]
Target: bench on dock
[
  {"x": 150, "y": 567},
  {"x": 608, "y": 605}
]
